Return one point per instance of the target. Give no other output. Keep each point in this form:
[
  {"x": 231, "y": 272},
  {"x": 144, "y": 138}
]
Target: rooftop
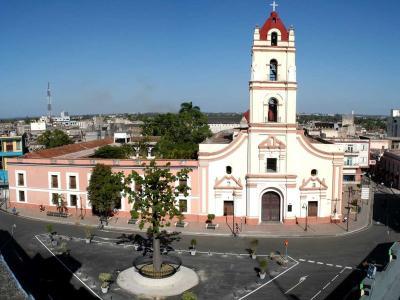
[{"x": 70, "y": 151}]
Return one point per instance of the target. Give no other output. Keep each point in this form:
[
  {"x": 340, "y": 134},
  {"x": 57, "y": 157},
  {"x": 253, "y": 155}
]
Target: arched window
[
  {"x": 274, "y": 39},
  {"x": 273, "y": 70},
  {"x": 314, "y": 172},
  {"x": 273, "y": 110},
  {"x": 228, "y": 170}
]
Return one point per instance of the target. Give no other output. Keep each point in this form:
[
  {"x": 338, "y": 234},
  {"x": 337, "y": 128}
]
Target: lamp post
[
  {"x": 305, "y": 206},
  {"x": 233, "y": 214}
]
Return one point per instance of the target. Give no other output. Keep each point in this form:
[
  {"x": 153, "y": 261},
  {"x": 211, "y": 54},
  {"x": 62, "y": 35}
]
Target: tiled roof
[{"x": 68, "y": 149}]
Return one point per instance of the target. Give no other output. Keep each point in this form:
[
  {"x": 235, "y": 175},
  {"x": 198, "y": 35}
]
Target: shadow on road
[
  {"x": 387, "y": 210},
  {"x": 43, "y": 278},
  {"x": 349, "y": 288}
]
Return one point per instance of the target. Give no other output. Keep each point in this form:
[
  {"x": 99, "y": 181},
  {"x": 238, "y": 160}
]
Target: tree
[
  {"x": 116, "y": 152},
  {"x": 54, "y": 138},
  {"x": 105, "y": 189},
  {"x": 180, "y": 133},
  {"x": 156, "y": 200}
]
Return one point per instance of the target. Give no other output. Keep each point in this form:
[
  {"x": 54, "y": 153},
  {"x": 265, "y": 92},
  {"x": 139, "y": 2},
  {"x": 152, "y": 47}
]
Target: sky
[{"x": 149, "y": 56}]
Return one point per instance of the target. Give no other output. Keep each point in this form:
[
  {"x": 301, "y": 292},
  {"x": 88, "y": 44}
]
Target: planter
[
  {"x": 181, "y": 224},
  {"x": 54, "y": 243},
  {"x": 136, "y": 246},
  {"x": 211, "y": 226},
  {"x": 193, "y": 252},
  {"x": 132, "y": 221},
  {"x": 104, "y": 290},
  {"x": 88, "y": 240},
  {"x": 262, "y": 275},
  {"x": 253, "y": 256}
]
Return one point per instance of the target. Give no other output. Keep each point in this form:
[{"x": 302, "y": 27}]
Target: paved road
[{"x": 323, "y": 263}]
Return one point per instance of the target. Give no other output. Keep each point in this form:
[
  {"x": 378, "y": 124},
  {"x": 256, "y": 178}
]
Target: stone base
[{"x": 183, "y": 280}]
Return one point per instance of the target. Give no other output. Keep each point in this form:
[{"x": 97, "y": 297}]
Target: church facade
[{"x": 271, "y": 171}]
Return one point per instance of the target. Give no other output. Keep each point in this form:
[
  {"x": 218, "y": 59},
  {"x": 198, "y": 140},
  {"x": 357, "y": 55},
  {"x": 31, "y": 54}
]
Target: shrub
[
  {"x": 263, "y": 264},
  {"x": 49, "y": 228},
  {"x": 105, "y": 279},
  {"x": 189, "y": 296},
  {"x": 88, "y": 232},
  {"x": 210, "y": 217},
  {"x": 134, "y": 214},
  {"x": 254, "y": 245},
  {"x": 193, "y": 242}
]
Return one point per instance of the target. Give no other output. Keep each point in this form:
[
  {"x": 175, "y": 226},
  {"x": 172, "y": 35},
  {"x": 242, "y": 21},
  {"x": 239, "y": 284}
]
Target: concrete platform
[{"x": 183, "y": 280}]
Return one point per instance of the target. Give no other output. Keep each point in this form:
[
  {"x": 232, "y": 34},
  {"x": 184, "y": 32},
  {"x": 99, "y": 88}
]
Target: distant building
[
  {"x": 64, "y": 120},
  {"x": 393, "y": 123},
  {"x": 38, "y": 126},
  {"x": 10, "y": 146},
  {"x": 220, "y": 123},
  {"x": 388, "y": 169}
]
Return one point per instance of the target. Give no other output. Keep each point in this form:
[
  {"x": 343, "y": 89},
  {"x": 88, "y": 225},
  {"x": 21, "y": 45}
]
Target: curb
[{"x": 241, "y": 235}]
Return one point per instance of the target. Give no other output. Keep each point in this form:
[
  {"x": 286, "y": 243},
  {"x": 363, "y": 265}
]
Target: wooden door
[
  {"x": 228, "y": 208},
  {"x": 271, "y": 207},
  {"x": 312, "y": 208}
]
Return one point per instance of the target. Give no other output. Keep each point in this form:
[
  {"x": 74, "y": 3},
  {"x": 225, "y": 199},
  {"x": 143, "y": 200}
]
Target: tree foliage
[
  {"x": 155, "y": 201},
  {"x": 116, "y": 152},
  {"x": 180, "y": 133},
  {"x": 54, "y": 138},
  {"x": 105, "y": 189}
]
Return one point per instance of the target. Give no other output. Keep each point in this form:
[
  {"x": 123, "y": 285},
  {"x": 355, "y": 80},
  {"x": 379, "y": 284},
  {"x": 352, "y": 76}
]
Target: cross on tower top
[{"x": 274, "y": 5}]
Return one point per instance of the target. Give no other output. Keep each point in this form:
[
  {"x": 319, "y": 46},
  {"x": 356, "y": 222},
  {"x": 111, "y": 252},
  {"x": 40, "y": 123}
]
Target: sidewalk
[{"x": 262, "y": 230}]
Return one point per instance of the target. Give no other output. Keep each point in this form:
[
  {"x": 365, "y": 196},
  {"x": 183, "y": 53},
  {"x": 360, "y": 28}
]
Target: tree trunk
[{"x": 156, "y": 254}]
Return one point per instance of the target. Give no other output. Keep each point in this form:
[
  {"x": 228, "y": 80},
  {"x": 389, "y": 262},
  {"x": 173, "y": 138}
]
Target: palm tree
[{"x": 188, "y": 107}]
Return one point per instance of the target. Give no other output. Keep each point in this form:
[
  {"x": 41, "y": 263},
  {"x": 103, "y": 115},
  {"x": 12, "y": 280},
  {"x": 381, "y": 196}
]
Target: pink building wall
[{"x": 37, "y": 184}]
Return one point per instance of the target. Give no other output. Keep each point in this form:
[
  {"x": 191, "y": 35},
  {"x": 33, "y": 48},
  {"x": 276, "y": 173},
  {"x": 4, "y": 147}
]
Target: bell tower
[{"x": 273, "y": 74}]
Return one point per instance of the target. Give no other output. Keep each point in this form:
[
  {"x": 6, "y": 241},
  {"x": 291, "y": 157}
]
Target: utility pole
[{"x": 350, "y": 189}]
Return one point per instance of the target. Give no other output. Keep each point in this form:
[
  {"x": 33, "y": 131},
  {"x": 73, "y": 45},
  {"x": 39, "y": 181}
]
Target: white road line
[
  {"x": 348, "y": 268},
  {"x": 302, "y": 279},
  {"x": 311, "y": 261},
  {"x": 326, "y": 285},
  {"x": 319, "y": 292},
  {"x": 261, "y": 286},
  {"x": 338, "y": 266},
  {"x": 335, "y": 277},
  {"x": 320, "y": 263},
  {"x": 300, "y": 259},
  {"x": 342, "y": 270},
  {"x": 93, "y": 292},
  {"x": 329, "y": 265}
]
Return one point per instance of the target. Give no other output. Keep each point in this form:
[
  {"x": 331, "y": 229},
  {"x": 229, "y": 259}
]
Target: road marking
[
  {"x": 300, "y": 259},
  {"x": 338, "y": 266},
  {"x": 320, "y": 263},
  {"x": 300, "y": 282},
  {"x": 93, "y": 292},
  {"x": 311, "y": 261},
  {"x": 326, "y": 285},
  {"x": 329, "y": 265},
  {"x": 342, "y": 270},
  {"x": 319, "y": 292},
  {"x": 280, "y": 274},
  {"x": 335, "y": 277},
  {"x": 348, "y": 268}
]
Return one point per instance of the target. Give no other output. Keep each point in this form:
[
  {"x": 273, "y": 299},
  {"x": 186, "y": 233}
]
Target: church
[
  {"x": 265, "y": 171},
  {"x": 268, "y": 170}
]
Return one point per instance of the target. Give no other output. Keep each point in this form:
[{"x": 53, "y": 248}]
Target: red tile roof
[{"x": 67, "y": 149}]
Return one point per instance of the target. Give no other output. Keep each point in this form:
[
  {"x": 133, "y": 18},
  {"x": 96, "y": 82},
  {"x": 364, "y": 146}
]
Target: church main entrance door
[{"x": 270, "y": 207}]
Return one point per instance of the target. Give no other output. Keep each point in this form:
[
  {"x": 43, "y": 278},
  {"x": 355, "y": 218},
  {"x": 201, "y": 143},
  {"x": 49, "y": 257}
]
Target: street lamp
[{"x": 306, "y": 207}]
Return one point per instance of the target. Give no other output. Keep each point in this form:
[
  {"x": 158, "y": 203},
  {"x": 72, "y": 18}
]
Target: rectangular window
[
  {"x": 21, "y": 179},
  {"x": 9, "y": 146},
  {"x": 21, "y": 195},
  {"x": 183, "y": 205},
  {"x": 54, "y": 198},
  {"x": 271, "y": 164},
  {"x": 72, "y": 182},
  {"x": 54, "y": 181},
  {"x": 183, "y": 182},
  {"x": 289, "y": 208},
  {"x": 73, "y": 200},
  {"x": 18, "y": 144}
]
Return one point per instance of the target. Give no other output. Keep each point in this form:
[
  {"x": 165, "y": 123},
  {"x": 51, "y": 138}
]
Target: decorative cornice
[
  {"x": 322, "y": 184},
  {"x": 218, "y": 183},
  {"x": 272, "y": 143}
]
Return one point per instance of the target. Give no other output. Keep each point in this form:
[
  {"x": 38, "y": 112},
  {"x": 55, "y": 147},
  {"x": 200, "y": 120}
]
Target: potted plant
[
  {"x": 263, "y": 264},
  {"x": 105, "y": 279},
  {"x": 49, "y": 229},
  {"x": 209, "y": 221},
  {"x": 253, "y": 248},
  {"x": 134, "y": 217},
  {"x": 188, "y": 295},
  {"x": 180, "y": 222},
  {"x": 193, "y": 244},
  {"x": 88, "y": 234}
]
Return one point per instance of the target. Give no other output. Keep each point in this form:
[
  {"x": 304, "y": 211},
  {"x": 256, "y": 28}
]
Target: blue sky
[{"x": 139, "y": 56}]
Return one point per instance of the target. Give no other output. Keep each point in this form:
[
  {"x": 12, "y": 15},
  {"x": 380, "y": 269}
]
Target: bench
[
  {"x": 211, "y": 226},
  {"x": 132, "y": 221},
  {"x": 57, "y": 214}
]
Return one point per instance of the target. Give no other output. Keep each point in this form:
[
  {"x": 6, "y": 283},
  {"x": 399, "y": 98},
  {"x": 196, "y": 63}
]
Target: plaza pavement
[{"x": 224, "y": 229}]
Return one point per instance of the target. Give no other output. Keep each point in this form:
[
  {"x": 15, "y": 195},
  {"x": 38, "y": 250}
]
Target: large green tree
[
  {"x": 54, "y": 138},
  {"x": 180, "y": 133},
  {"x": 156, "y": 200},
  {"x": 105, "y": 189}
]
